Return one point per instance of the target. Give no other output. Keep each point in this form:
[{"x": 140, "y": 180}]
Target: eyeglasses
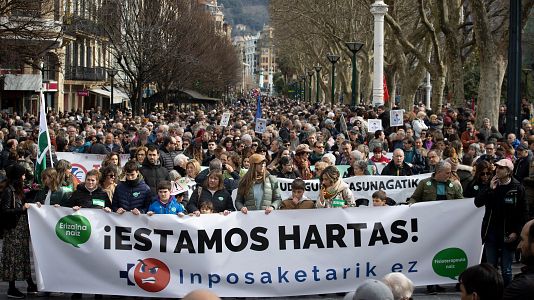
[
  {"x": 320, "y": 147},
  {"x": 111, "y": 176},
  {"x": 485, "y": 174},
  {"x": 254, "y": 145},
  {"x": 490, "y": 148}
]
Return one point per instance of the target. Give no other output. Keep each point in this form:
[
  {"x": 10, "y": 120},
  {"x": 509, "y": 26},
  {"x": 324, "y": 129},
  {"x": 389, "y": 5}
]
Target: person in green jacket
[
  {"x": 52, "y": 193},
  {"x": 438, "y": 187}
]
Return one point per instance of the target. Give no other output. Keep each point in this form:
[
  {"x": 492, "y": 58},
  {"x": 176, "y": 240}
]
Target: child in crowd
[
  {"x": 297, "y": 200},
  {"x": 165, "y": 203},
  {"x": 206, "y": 207},
  {"x": 379, "y": 198}
]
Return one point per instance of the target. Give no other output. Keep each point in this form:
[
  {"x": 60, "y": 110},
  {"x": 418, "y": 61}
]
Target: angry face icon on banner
[{"x": 151, "y": 275}]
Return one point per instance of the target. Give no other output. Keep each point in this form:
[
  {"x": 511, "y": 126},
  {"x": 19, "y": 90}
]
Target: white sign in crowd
[{"x": 285, "y": 253}]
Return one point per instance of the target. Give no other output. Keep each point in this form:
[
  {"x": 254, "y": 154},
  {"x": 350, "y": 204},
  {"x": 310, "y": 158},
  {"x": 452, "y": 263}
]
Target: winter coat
[
  {"x": 60, "y": 197},
  {"x": 271, "y": 196},
  {"x": 505, "y": 209},
  {"x": 304, "y": 203},
  {"x": 153, "y": 174},
  {"x": 98, "y": 148},
  {"x": 84, "y": 198},
  {"x": 427, "y": 190},
  {"x": 172, "y": 207},
  {"x": 340, "y": 191},
  {"x": 392, "y": 170},
  {"x": 167, "y": 158},
  {"x": 528, "y": 183},
  {"x": 132, "y": 194},
  {"x": 229, "y": 183},
  {"x": 473, "y": 188},
  {"x": 221, "y": 200},
  {"x": 11, "y": 208}
]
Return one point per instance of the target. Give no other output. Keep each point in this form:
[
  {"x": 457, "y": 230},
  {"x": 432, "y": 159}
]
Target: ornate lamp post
[
  {"x": 303, "y": 94},
  {"x": 333, "y": 59},
  {"x": 318, "y": 71},
  {"x": 310, "y": 74},
  {"x": 354, "y": 47}
]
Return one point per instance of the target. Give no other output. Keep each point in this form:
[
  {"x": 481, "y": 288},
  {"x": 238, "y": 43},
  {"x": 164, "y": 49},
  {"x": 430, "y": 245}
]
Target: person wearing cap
[
  {"x": 505, "y": 213},
  {"x": 301, "y": 162},
  {"x": 258, "y": 190},
  {"x": 522, "y": 164}
]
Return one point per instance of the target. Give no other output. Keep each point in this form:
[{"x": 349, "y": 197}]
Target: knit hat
[{"x": 256, "y": 158}]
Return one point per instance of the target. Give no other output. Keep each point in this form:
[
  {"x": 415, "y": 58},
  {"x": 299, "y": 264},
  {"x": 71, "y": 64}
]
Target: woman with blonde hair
[
  {"x": 258, "y": 190},
  {"x": 192, "y": 168},
  {"x": 334, "y": 191},
  {"x": 51, "y": 193},
  {"x": 66, "y": 179},
  {"x": 108, "y": 180}
]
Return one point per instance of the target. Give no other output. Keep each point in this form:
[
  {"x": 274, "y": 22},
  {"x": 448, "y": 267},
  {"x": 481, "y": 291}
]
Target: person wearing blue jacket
[
  {"x": 165, "y": 203},
  {"x": 133, "y": 194}
]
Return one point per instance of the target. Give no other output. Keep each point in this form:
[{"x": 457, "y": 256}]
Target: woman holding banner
[
  {"x": 258, "y": 190},
  {"x": 334, "y": 191},
  {"x": 16, "y": 247},
  {"x": 51, "y": 193}
]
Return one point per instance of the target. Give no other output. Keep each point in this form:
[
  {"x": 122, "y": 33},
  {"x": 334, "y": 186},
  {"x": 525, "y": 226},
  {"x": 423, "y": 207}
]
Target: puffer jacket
[
  {"x": 167, "y": 158},
  {"x": 271, "y": 196},
  {"x": 152, "y": 175},
  {"x": 132, "y": 194},
  {"x": 84, "y": 198}
]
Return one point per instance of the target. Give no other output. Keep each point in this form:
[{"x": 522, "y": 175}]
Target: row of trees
[
  {"x": 446, "y": 38},
  {"x": 171, "y": 43}
]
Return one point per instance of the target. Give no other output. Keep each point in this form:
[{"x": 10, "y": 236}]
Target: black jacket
[
  {"x": 521, "y": 168},
  {"x": 229, "y": 183},
  {"x": 167, "y": 158},
  {"x": 11, "y": 208},
  {"x": 153, "y": 174},
  {"x": 506, "y": 209},
  {"x": 391, "y": 169},
  {"x": 522, "y": 287},
  {"x": 95, "y": 199},
  {"x": 221, "y": 200}
]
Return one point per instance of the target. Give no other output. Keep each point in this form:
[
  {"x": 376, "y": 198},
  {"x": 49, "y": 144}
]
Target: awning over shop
[
  {"x": 22, "y": 82},
  {"x": 198, "y": 96},
  {"x": 118, "y": 96}
]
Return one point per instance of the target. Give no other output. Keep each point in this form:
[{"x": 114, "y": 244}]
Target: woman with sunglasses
[
  {"x": 108, "y": 181},
  {"x": 481, "y": 179}
]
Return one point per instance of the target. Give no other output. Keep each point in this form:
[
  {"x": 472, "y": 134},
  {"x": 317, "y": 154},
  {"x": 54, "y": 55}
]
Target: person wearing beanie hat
[
  {"x": 15, "y": 264},
  {"x": 258, "y": 190}
]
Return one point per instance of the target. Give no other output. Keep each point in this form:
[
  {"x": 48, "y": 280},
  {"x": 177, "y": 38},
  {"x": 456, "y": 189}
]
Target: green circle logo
[
  {"x": 450, "y": 263},
  {"x": 74, "y": 230}
]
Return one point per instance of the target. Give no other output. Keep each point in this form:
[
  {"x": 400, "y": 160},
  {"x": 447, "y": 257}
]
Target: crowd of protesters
[{"x": 301, "y": 142}]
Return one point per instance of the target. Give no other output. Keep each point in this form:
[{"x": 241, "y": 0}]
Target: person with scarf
[
  {"x": 334, "y": 191},
  {"x": 301, "y": 161}
]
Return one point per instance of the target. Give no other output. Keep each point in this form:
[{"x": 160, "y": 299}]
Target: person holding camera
[{"x": 506, "y": 212}]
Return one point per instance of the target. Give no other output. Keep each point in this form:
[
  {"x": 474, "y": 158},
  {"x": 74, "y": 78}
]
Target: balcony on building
[
  {"x": 75, "y": 24},
  {"x": 85, "y": 73}
]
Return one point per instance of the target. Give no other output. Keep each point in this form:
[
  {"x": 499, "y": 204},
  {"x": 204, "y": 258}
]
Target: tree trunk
[
  {"x": 455, "y": 72},
  {"x": 437, "y": 93},
  {"x": 492, "y": 69}
]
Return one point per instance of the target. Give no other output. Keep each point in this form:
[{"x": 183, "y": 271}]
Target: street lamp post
[
  {"x": 318, "y": 71},
  {"x": 333, "y": 58},
  {"x": 111, "y": 73},
  {"x": 354, "y": 47},
  {"x": 310, "y": 74},
  {"x": 303, "y": 79}
]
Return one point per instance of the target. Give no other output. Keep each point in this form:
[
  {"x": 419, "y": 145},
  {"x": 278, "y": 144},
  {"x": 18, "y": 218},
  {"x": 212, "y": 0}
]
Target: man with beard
[{"x": 522, "y": 287}]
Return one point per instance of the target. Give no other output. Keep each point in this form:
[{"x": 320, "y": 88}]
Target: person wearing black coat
[
  {"x": 397, "y": 166},
  {"x": 152, "y": 171},
  {"x": 132, "y": 194},
  {"x": 15, "y": 264},
  {"x": 89, "y": 194},
  {"x": 522, "y": 164},
  {"x": 212, "y": 190}
]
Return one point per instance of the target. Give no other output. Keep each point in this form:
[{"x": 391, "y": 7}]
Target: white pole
[
  {"x": 378, "y": 9},
  {"x": 260, "y": 83},
  {"x": 428, "y": 90}
]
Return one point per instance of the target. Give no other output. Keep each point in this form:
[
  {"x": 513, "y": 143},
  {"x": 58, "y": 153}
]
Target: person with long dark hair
[{"x": 16, "y": 248}]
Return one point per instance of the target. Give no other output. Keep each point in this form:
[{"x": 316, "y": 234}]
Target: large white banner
[
  {"x": 83, "y": 163},
  {"x": 398, "y": 188},
  {"x": 285, "y": 253}
]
